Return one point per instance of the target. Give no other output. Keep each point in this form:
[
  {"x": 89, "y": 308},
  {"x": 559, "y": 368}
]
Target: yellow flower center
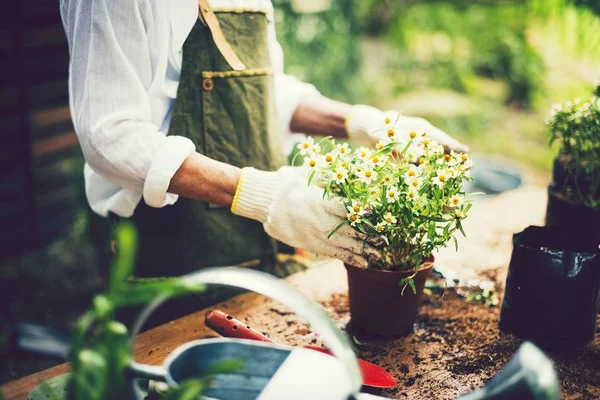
[
  {"x": 442, "y": 178},
  {"x": 329, "y": 158},
  {"x": 379, "y": 146},
  {"x": 415, "y": 183},
  {"x": 388, "y": 219},
  {"x": 391, "y": 194},
  {"x": 456, "y": 201},
  {"x": 412, "y": 134},
  {"x": 368, "y": 174},
  {"x": 411, "y": 194},
  {"x": 387, "y": 120},
  {"x": 447, "y": 157},
  {"x": 391, "y": 133},
  {"x": 356, "y": 208},
  {"x": 379, "y": 228},
  {"x": 375, "y": 159},
  {"x": 464, "y": 157},
  {"x": 426, "y": 142},
  {"x": 312, "y": 163},
  {"x": 353, "y": 217},
  {"x": 363, "y": 154},
  {"x": 421, "y": 160},
  {"x": 340, "y": 175},
  {"x": 411, "y": 173},
  {"x": 305, "y": 145},
  {"x": 459, "y": 215}
]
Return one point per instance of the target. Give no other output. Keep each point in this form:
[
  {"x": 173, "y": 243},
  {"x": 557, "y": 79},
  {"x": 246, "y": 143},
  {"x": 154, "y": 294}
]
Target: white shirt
[{"x": 123, "y": 78}]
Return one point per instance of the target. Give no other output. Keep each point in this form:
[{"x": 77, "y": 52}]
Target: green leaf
[
  {"x": 460, "y": 227},
  {"x": 122, "y": 267},
  {"x": 455, "y": 243},
  {"x": 226, "y": 366},
  {"x": 190, "y": 389},
  {"x": 311, "y": 176},
  {"x": 337, "y": 228},
  {"x": 145, "y": 291}
]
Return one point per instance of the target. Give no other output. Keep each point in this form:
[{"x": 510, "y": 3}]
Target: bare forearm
[
  {"x": 318, "y": 115},
  {"x": 202, "y": 178}
]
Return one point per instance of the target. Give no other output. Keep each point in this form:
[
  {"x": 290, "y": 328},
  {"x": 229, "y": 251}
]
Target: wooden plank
[
  {"x": 44, "y": 147},
  {"x": 42, "y": 118}
]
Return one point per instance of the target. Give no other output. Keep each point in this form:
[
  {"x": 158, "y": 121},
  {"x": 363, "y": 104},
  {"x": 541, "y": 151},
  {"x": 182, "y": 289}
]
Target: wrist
[{"x": 254, "y": 194}]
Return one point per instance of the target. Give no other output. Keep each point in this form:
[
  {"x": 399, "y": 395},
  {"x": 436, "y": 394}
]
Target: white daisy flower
[
  {"x": 413, "y": 172},
  {"x": 392, "y": 194},
  {"x": 363, "y": 153},
  {"x": 388, "y": 179},
  {"x": 328, "y": 158},
  {"x": 414, "y": 183},
  {"x": 413, "y": 153},
  {"x": 378, "y": 160},
  {"x": 412, "y": 194},
  {"x": 353, "y": 218},
  {"x": 315, "y": 149},
  {"x": 342, "y": 149},
  {"x": 356, "y": 208},
  {"x": 313, "y": 161},
  {"x": 389, "y": 219},
  {"x": 340, "y": 175},
  {"x": 367, "y": 175},
  {"x": 374, "y": 193},
  {"x": 441, "y": 178},
  {"x": 305, "y": 146},
  {"x": 380, "y": 227},
  {"x": 456, "y": 200}
]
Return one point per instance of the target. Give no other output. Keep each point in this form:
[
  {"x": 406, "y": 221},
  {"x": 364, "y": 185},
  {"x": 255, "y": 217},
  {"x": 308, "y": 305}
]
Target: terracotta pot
[{"x": 377, "y": 306}]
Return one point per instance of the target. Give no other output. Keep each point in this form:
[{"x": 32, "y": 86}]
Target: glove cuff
[
  {"x": 254, "y": 194},
  {"x": 360, "y": 119}
]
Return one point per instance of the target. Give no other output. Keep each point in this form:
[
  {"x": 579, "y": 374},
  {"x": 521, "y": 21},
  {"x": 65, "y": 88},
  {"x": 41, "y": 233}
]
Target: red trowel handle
[{"x": 228, "y": 326}]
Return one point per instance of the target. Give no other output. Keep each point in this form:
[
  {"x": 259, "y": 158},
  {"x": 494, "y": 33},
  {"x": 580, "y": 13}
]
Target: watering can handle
[{"x": 276, "y": 289}]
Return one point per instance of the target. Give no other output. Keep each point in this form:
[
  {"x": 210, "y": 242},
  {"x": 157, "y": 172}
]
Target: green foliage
[
  {"x": 575, "y": 127},
  {"x": 322, "y": 47},
  {"x": 414, "y": 210}
]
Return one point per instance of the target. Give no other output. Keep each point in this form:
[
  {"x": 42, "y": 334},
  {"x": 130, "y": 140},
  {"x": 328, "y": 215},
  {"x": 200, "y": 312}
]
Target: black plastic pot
[
  {"x": 560, "y": 212},
  {"x": 563, "y": 212},
  {"x": 552, "y": 289}
]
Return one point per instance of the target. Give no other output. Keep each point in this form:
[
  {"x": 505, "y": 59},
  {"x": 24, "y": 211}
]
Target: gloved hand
[
  {"x": 366, "y": 122},
  {"x": 296, "y": 214}
]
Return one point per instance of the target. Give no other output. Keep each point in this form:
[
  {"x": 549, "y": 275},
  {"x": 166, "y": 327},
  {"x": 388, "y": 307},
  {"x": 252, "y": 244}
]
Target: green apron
[{"x": 230, "y": 116}]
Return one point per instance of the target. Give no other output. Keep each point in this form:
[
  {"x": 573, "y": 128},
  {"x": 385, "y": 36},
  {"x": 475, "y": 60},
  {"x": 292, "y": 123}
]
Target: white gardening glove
[
  {"x": 369, "y": 123},
  {"x": 296, "y": 214}
]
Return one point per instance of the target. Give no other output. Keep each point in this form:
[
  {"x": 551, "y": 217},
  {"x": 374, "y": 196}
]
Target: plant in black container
[
  {"x": 574, "y": 194},
  {"x": 552, "y": 287}
]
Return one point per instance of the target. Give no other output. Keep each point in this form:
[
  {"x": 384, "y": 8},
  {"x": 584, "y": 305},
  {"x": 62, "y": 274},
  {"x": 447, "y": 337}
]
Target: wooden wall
[{"x": 38, "y": 196}]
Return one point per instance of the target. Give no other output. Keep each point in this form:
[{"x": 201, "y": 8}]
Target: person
[{"x": 182, "y": 109}]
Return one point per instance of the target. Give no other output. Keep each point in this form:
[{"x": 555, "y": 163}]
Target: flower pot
[
  {"x": 569, "y": 183},
  {"x": 552, "y": 288},
  {"x": 378, "y": 307},
  {"x": 561, "y": 213}
]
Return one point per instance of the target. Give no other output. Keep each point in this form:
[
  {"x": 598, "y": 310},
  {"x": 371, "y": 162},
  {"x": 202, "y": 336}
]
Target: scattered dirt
[{"x": 456, "y": 347}]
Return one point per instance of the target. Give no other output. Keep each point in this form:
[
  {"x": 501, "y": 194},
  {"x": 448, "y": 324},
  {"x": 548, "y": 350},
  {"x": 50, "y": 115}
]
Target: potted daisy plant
[{"x": 406, "y": 193}]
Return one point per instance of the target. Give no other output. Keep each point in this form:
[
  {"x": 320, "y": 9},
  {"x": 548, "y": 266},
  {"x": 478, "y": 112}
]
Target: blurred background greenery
[{"x": 485, "y": 71}]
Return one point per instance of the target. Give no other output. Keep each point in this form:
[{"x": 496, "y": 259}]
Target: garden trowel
[{"x": 228, "y": 326}]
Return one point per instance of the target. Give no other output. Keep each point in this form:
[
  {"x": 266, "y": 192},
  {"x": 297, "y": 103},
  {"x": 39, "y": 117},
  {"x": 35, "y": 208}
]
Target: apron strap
[{"x": 208, "y": 18}]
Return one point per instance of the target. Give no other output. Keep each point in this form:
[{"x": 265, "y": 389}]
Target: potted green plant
[
  {"x": 574, "y": 194},
  {"x": 406, "y": 193}
]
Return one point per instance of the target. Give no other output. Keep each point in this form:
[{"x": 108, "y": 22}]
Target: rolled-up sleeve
[
  {"x": 289, "y": 90},
  {"x": 110, "y": 74}
]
